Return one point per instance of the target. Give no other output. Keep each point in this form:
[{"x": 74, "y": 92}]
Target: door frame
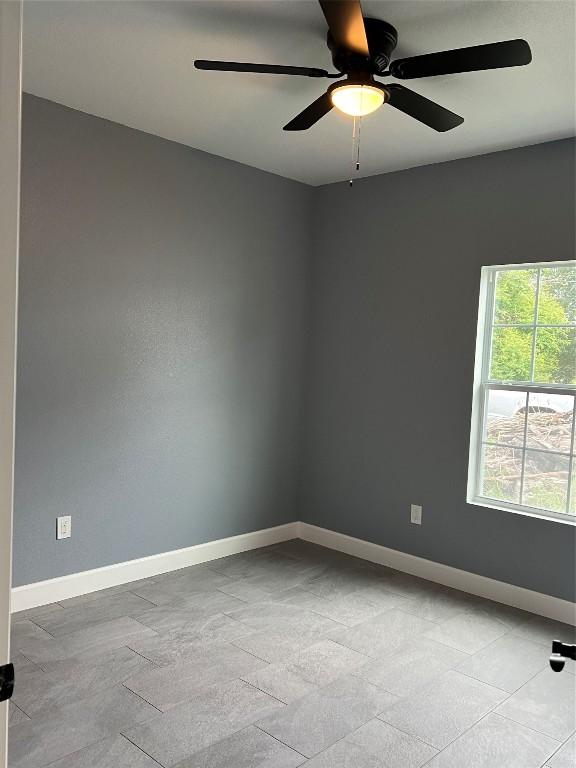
[{"x": 10, "y": 111}]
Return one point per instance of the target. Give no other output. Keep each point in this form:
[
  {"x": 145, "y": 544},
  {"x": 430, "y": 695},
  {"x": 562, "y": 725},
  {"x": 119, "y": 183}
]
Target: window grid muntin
[
  {"x": 572, "y": 461},
  {"x": 527, "y": 448},
  {"x": 531, "y": 325},
  {"x": 534, "y": 327}
]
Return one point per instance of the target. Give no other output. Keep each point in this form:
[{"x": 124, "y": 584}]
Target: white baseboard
[
  {"x": 52, "y": 590},
  {"x": 63, "y": 587},
  {"x": 499, "y": 591}
]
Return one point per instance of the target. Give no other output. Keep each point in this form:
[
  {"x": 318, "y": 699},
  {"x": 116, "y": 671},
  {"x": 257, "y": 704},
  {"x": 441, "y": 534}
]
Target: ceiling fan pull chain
[
  {"x": 358, "y": 145},
  {"x": 355, "y": 148},
  {"x": 354, "y": 119}
]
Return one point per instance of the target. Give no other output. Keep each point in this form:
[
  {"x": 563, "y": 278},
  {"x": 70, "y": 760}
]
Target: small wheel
[{"x": 557, "y": 662}]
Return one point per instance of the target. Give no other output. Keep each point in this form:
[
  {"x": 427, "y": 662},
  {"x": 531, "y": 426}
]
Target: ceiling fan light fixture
[{"x": 357, "y": 100}]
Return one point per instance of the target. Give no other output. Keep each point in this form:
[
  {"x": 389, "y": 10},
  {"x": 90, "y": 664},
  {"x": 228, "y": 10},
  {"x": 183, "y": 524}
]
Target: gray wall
[
  {"x": 396, "y": 275},
  {"x": 168, "y": 301},
  {"x": 160, "y": 341}
]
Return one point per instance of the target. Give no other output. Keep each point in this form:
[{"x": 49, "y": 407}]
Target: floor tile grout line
[
  {"x": 460, "y": 735},
  {"x": 379, "y": 687},
  {"x": 39, "y": 626},
  {"x": 508, "y": 693},
  {"x": 406, "y": 733},
  {"x": 534, "y": 730},
  {"x": 254, "y": 655},
  {"x": 93, "y": 743},
  {"x": 113, "y": 683},
  {"x": 95, "y": 598},
  {"x": 545, "y": 667},
  {"x": 142, "y": 698},
  {"x": 355, "y": 673},
  {"x": 34, "y": 663},
  {"x": 154, "y": 664},
  {"x": 246, "y": 602},
  {"x": 129, "y": 592},
  {"x": 255, "y": 725},
  {"x": 529, "y": 727},
  {"x": 395, "y": 727},
  {"x": 343, "y": 739},
  {"x": 19, "y": 707},
  {"x": 261, "y": 691},
  {"x": 123, "y": 736},
  {"x": 307, "y": 610},
  {"x": 508, "y": 634},
  {"x": 562, "y": 744},
  {"x": 348, "y": 735},
  {"x": 144, "y": 626},
  {"x": 390, "y": 592},
  {"x": 128, "y": 739},
  {"x": 347, "y": 626},
  {"x": 493, "y": 711},
  {"x": 471, "y": 655},
  {"x": 71, "y": 754},
  {"x": 89, "y": 626}
]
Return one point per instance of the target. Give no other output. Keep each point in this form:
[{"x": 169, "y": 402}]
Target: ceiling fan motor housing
[{"x": 382, "y": 39}]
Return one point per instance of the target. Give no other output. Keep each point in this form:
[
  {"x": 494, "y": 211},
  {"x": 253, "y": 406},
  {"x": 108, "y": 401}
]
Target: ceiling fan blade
[
  {"x": 422, "y": 109},
  {"x": 267, "y": 69},
  {"x": 311, "y": 114},
  {"x": 511, "y": 53},
  {"x": 346, "y": 24}
]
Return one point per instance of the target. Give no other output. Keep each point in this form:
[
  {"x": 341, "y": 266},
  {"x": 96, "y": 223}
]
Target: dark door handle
[
  {"x": 561, "y": 652},
  {"x": 6, "y": 681}
]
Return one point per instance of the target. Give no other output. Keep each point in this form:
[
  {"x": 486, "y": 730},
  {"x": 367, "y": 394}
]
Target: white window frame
[{"x": 483, "y": 384}]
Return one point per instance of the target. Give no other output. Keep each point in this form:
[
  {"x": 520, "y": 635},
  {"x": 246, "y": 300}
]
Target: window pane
[
  {"x": 545, "y": 481},
  {"x": 572, "y": 509},
  {"x": 558, "y": 293},
  {"x": 550, "y": 421},
  {"x": 511, "y": 356},
  {"x": 555, "y": 356},
  {"x": 515, "y": 296},
  {"x": 501, "y": 472},
  {"x": 505, "y": 416}
]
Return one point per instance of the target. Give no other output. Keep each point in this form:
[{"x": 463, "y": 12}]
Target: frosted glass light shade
[{"x": 357, "y": 100}]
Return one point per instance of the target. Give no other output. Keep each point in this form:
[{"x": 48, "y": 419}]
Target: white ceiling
[{"x": 132, "y": 62}]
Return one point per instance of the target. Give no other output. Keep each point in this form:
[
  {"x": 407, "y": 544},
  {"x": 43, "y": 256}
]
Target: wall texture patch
[{"x": 160, "y": 344}]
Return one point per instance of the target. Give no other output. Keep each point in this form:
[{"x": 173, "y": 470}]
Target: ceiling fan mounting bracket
[{"x": 382, "y": 39}]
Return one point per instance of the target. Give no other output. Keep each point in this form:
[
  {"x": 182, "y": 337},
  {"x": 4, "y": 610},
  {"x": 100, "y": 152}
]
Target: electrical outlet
[
  {"x": 416, "y": 514},
  {"x": 64, "y": 527}
]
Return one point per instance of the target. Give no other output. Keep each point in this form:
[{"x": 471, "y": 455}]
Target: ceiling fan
[{"x": 361, "y": 48}]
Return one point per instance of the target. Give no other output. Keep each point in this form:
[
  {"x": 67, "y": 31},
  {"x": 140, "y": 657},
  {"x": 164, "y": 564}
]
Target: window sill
[{"x": 555, "y": 517}]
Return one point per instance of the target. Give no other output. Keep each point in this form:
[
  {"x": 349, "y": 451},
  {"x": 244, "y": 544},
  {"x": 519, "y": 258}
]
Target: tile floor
[{"x": 288, "y": 656}]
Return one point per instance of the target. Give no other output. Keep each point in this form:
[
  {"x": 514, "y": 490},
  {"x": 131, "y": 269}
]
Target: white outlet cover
[
  {"x": 64, "y": 527},
  {"x": 416, "y": 514}
]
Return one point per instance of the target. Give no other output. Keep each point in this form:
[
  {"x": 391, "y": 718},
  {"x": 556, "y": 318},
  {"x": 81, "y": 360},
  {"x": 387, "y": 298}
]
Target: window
[{"x": 522, "y": 448}]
